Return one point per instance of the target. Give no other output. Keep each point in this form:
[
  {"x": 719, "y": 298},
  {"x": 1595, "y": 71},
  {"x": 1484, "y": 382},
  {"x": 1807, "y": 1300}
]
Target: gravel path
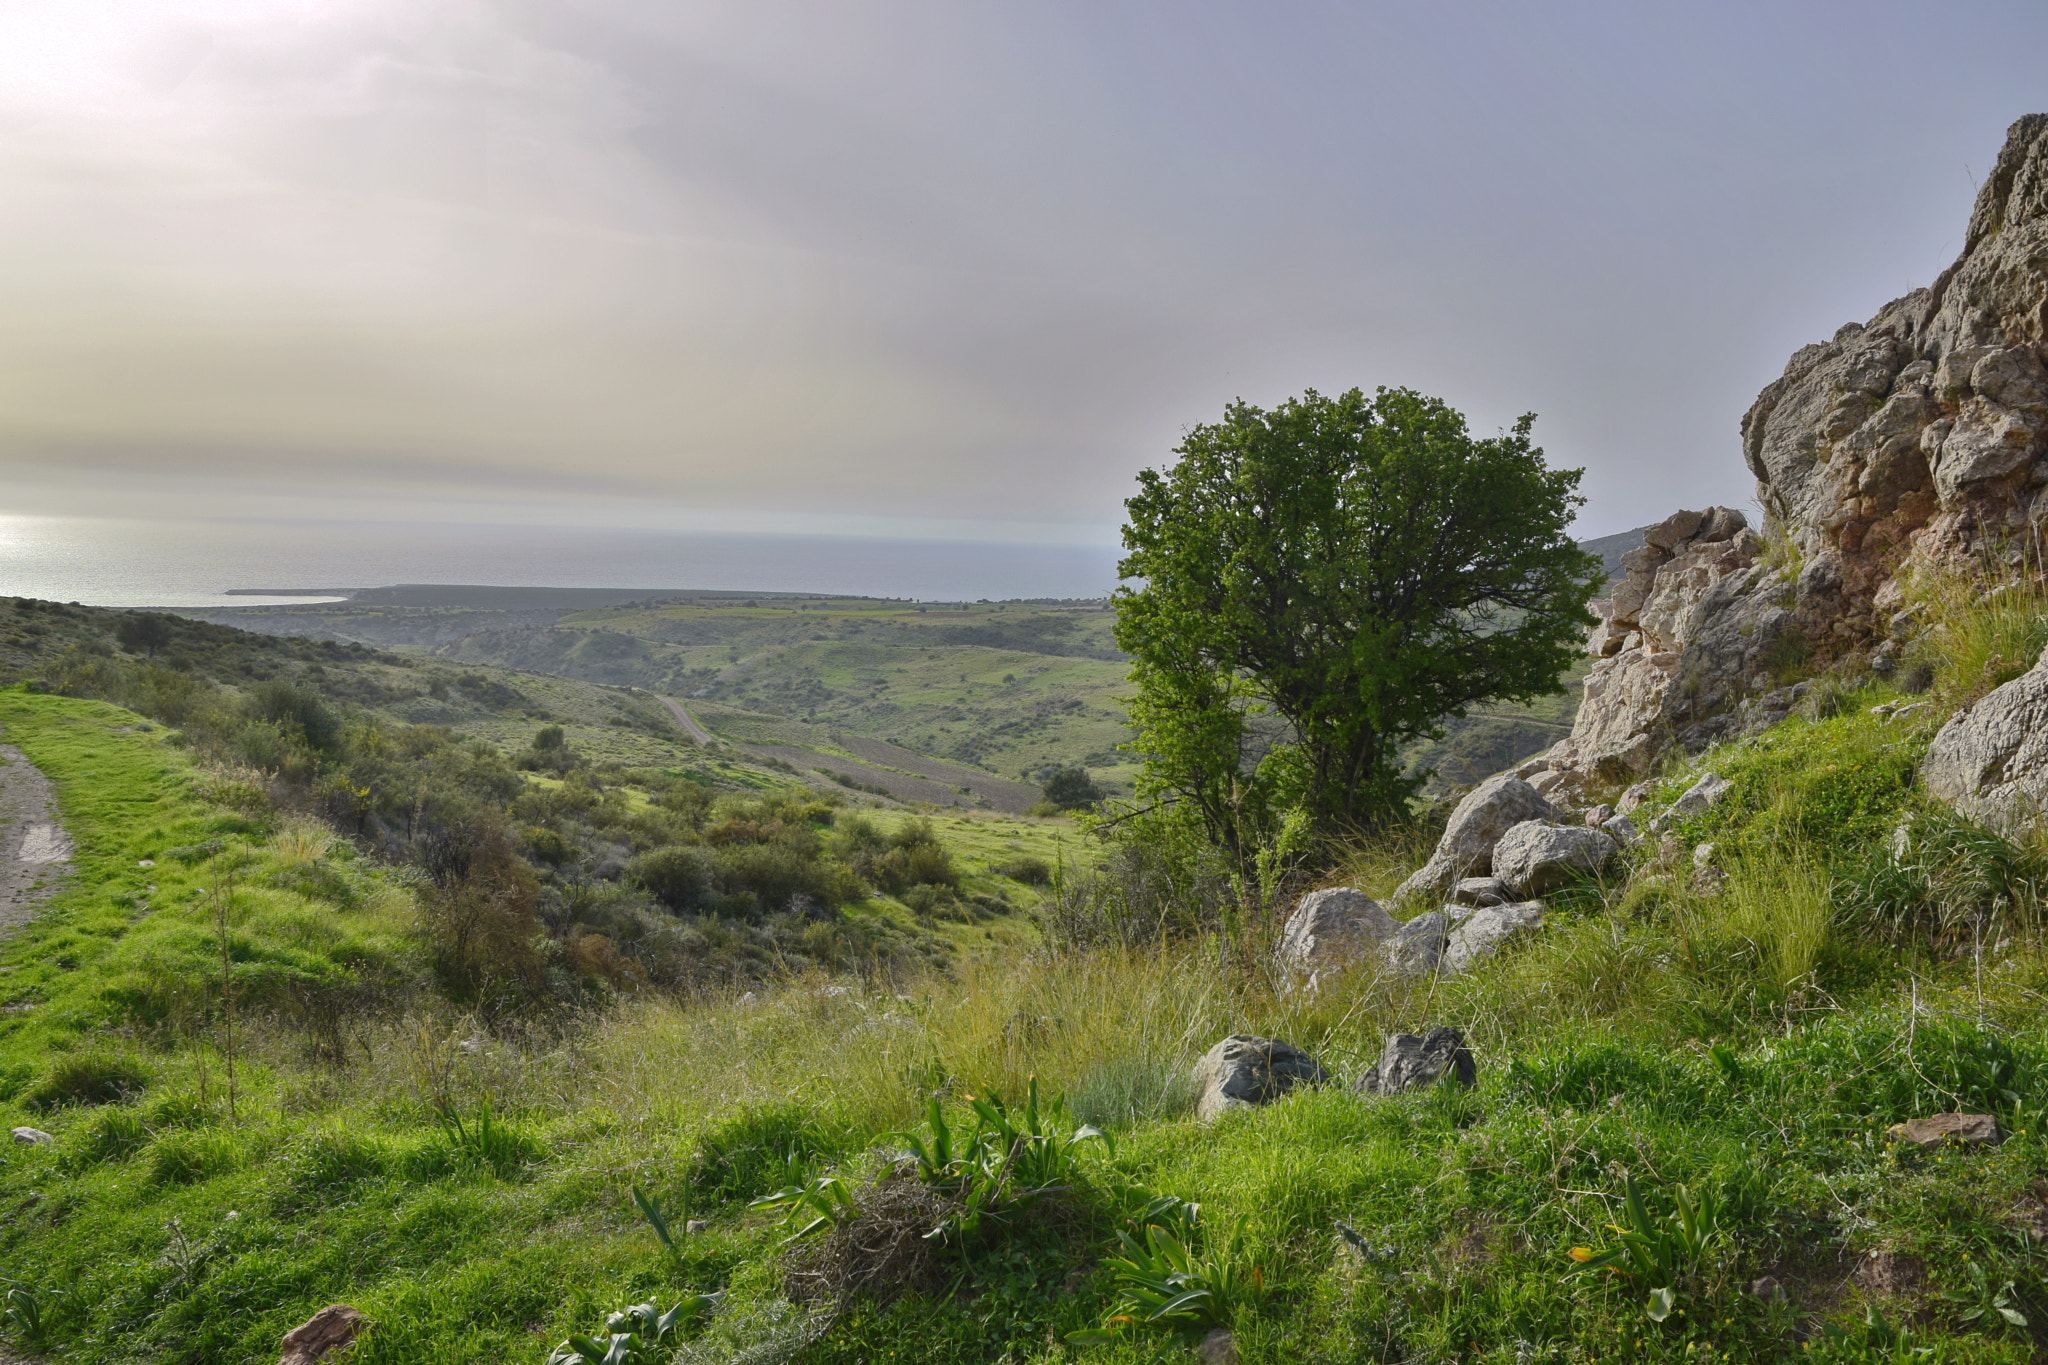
[
  {"x": 35, "y": 854},
  {"x": 684, "y": 719}
]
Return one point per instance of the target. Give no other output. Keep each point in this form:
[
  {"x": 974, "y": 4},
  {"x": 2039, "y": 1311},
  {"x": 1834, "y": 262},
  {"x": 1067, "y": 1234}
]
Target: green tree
[
  {"x": 1071, "y": 788},
  {"x": 1316, "y": 586}
]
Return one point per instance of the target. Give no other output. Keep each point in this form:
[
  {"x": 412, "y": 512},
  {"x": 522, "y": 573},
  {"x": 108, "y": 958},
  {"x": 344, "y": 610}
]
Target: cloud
[{"x": 926, "y": 265}]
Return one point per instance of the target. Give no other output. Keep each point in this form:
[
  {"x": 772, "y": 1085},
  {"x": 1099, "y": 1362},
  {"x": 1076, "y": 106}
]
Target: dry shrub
[{"x": 881, "y": 1252}]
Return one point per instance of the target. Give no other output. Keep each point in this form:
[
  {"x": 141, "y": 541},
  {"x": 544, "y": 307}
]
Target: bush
[
  {"x": 87, "y": 1078},
  {"x": 750, "y": 1154},
  {"x": 1071, "y": 789},
  {"x": 678, "y": 876}
]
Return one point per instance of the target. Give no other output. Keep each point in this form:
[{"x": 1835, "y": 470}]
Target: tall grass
[{"x": 1987, "y": 624}]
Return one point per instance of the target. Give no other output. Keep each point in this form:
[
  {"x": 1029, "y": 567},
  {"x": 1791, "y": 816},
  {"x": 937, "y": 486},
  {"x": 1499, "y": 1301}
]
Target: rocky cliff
[{"x": 1920, "y": 435}]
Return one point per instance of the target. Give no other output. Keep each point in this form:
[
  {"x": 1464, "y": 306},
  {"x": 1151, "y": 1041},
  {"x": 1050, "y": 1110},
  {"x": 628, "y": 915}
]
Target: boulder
[
  {"x": 1991, "y": 760},
  {"x": 1409, "y": 1062},
  {"x": 1694, "y": 800},
  {"x": 1219, "y": 1347},
  {"x": 1481, "y": 891},
  {"x": 1970, "y": 1130},
  {"x": 32, "y": 1137},
  {"x": 1622, "y": 830},
  {"x": 330, "y": 1329},
  {"x": 1482, "y": 933},
  {"x": 1490, "y": 810},
  {"x": 1535, "y": 857},
  {"x": 1245, "y": 1070},
  {"x": 1333, "y": 930},
  {"x": 1419, "y": 946}
]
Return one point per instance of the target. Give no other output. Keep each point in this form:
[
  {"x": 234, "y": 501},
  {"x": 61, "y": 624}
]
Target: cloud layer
[{"x": 900, "y": 267}]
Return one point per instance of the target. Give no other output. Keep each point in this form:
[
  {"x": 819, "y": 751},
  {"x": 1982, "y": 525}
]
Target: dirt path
[
  {"x": 685, "y": 719},
  {"x": 35, "y": 854}
]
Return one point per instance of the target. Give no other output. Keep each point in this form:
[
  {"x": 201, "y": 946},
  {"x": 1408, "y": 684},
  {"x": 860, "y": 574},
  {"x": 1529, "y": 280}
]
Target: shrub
[
  {"x": 114, "y": 1136},
  {"x": 1071, "y": 789},
  {"x": 678, "y": 876},
  {"x": 1030, "y": 871},
  {"x": 87, "y": 1078}
]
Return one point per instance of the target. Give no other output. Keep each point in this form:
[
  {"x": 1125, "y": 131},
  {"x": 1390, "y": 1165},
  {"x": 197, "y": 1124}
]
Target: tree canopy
[{"x": 1311, "y": 588}]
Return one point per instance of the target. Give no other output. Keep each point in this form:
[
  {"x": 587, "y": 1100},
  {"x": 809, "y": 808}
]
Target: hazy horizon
[{"x": 911, "y": 273}]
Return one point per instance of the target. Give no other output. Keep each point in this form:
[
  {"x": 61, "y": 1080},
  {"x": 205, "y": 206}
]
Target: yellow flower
[{"x": 1581, "y": 1254}]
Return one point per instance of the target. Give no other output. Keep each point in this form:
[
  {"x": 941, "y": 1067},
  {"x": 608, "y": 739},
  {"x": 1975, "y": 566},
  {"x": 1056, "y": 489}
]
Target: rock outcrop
[
  {"x": 1245, "y": 1070},
  {"x": 1991, "y": 759},
  {"x": 1918, "y": 436}
]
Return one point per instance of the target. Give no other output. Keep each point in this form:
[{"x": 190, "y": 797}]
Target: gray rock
[
  {"x": 1991, "y": 760},
  {"x": 1481, "y": 891},
  {"x": 1535, "y": 857},
  {"x": 32, "y": 1137},
  {"x": 1333, "y": 930},
  {"x": 1622, "y": 830},
  {"x": 1219, "y": 1347},
  {"x": 1409, "y": 1062},
  {"x": 1487, "y": 812},
  {"x": 1245, "y": 1070},
  {"x": 1419, "y": 946},
  {"x": 1482, "y": 933},
  {"x": 1692, "y": 801}
]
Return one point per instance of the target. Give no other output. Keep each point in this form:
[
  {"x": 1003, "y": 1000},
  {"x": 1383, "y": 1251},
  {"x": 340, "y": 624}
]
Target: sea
[{"x": 139, "y": 563}]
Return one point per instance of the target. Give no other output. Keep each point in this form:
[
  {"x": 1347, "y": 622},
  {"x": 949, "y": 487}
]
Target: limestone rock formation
[
  {"x": 1246, "y": 1070},
  {"x": 1920, "y": 435},
  {"x": 1991, "y": 759}
]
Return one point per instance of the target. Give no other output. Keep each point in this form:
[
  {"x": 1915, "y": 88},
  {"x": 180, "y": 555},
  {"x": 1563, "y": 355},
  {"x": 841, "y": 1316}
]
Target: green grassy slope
[{"x": 1752, "y": 1043}]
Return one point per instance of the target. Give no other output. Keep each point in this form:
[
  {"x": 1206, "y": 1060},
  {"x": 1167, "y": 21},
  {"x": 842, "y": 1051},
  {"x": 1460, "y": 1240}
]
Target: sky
[{"x": 918, "y": 270}]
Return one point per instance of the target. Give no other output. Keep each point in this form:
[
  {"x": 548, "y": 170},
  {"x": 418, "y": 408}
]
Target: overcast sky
[{"x": 945, "y": 269}]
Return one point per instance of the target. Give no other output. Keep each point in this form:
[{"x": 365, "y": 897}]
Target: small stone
[
  {"x": 1971, "y": 1130},
  {"x": 1218, "y": 1348},
  {"x": 1416, "y": 949},
  {"x": 32, "y": 1137},
  {"x": 697, "y": 1225},
  {"x": 1599, "y": 815},
  {"x": 1703, "y": 855},
  {"x": 330, "y": 1329},
  {"x": 1767, "y": 1288},
  {"x": 1622, "y": 830}
]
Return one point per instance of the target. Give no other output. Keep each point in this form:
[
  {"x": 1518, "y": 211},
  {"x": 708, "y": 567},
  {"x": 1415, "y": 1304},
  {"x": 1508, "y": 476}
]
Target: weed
[
  {"x": 1005, "y": 1161},
  {"x": 1164, "y": 1286},
  {"x": 487, "y": 1142},
  {"x": 1659, "y": 1254},
  {"x": 1984, "y": 1301},
  {"x": 639, "y": 1335}
]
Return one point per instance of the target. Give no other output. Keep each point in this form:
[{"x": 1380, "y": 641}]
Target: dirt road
[
  {"x": 35, "y": 854},
  {"x": 685, "y": 719}
]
